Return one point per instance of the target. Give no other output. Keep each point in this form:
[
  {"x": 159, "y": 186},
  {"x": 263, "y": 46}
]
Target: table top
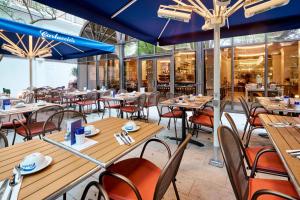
[
  {"x": 125, "y": 96},
  {"x": 271, "y": 105},
  {"x": 197, "y": 103},
  {"x": 249, "y": 89},
  {"x": 27, "y": 108},
  {"x": 82, "y": 93},
  {"x": 67, "y": 170},
  {"x": 287, "y": 138}
]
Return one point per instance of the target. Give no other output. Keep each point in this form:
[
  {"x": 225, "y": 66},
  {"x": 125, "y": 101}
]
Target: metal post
[
  {"x": 97, "y": 71},
  {"x": 30, "y": 74},
  {"x": 216, "y": 161}
]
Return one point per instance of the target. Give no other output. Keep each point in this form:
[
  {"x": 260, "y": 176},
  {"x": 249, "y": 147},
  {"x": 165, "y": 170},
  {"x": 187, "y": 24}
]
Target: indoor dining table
[
  {"x": 197, "y": 103},
  {"x": 273, "y": 104},
  {"x": 285, "y": 138},
  {"x": 67, "y": 169}
]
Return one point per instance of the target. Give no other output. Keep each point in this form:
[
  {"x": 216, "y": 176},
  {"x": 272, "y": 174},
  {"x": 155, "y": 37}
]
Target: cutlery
[
  {"x": 126, "y": 133},
  {"x": 126, "y": 138},
  {"x": 293, "y": 151},
  {"x": 15, "y": 180},
  {"x": 121, "y": 138}
]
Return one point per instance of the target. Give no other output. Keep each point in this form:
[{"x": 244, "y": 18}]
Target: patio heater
[
  {"x": 41, "y": 49},
  {"x": 215, "y": 19}
]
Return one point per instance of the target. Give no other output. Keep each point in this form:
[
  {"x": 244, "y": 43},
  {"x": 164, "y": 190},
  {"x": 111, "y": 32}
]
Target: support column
[
  {"x": 216, "y": 161},
  {"x": 97, "y": 71},
  {"x": 30, "y": 74},
  {"x": 199, "y": 68}
]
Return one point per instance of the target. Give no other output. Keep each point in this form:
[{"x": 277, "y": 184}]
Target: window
[
  {"x": 131, "y": 81},
  {"x": 145, "y": 48},
  {"x": 131, "y": 49}
]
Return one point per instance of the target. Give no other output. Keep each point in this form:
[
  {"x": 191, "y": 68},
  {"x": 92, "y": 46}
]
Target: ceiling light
[
  {"x": 258, "y": 6},
  {"x": 254, "y": 47},
  {"x": 250, "y": 55},
  {"x": 175, "y": 13}
]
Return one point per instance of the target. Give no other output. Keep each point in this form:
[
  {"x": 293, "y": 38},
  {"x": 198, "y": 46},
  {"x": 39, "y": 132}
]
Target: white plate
[
  {"x": 133, "y": 130},
  {"x": 43, "y": 166},
  {"x": 92, "y": 134}
]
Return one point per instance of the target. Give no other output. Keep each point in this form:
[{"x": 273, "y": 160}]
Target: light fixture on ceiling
[
  {"x": 253, "y": 7},
  {"x": 250, "y": 55},
  {"x": 254, "y": 46},
  {"x": 174, "y": 12}
]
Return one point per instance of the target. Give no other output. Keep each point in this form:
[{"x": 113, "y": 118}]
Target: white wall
[{"x": 14, "y": 72}]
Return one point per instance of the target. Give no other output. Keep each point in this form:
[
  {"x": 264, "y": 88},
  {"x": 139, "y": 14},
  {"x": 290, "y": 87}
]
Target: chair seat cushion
[
  {"x": 256, "y": 111},
  {"x": 208, "y": 110},
  {"x": 203, "y": 120},
  {"x": 141, "y": 172},
  {"x": 130, "y": 109},
  {"x": 36, "y": 128},
  {"x": 85, "y": 103},
  {"x": 149, "y": 104},
  {"x": 10, "y": 125},
  {"x": 282, "y": 186},
  {"x": 269, "y": 161},
  {"x": 174, "y": 114},
  {"x": 115, "y": 106},
  {"x": 255, "y": 121}
]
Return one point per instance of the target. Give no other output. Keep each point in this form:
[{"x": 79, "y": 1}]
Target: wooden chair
[
  {"x": 87, "y": 102},
  {"x": 35, "y": 123},
  {"x": 245, "y": 187},
  {"x": 101, "y": 194},
  {"x": 109, "y": 104},
  {"x": 262, "y": 158},
  {"x": 138, "y": 178}
]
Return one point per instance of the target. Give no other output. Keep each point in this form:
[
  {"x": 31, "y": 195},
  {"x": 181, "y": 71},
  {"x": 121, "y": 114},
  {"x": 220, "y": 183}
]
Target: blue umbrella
[
  {"x": 28, "y": 41},
  {"x": 207, "y": 19}
]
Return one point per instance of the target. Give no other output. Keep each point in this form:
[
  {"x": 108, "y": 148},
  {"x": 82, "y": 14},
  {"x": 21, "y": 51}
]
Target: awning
[
  {"x": 17, "y": 37},
  {"x": 140, "y": 19}
]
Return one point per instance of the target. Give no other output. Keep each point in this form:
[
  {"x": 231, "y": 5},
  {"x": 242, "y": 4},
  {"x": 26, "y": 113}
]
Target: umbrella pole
[
  {"x": 30, "y": 74},
  {"x": 216, "y": 161}
]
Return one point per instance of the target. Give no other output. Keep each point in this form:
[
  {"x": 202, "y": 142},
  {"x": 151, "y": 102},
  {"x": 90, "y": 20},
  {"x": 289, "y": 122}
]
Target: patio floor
[{"x": 196, "y": 179}]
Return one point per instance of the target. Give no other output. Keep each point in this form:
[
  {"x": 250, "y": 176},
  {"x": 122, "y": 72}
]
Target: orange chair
[
  {"x": 246, "y": 187},
  {"x": 138, "y": 178},
  {"x": 101, "y": 194},
  {"x": 262, "y": 158}
]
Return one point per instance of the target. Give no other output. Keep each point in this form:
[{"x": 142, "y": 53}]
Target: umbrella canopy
[
  {"x": 28, "y": 41},
  {"x": 139, "y": 19}
]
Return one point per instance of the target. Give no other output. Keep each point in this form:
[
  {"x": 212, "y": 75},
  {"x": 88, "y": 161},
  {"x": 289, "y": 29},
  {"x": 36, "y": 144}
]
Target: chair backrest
[
  {"x": 232, "y": 154},
  {"x": 245, "y": 107},
  {"x": 101, "y": 194},
  {"x": 60, "y": 118},
  {"x": 170, "y": 170},
  {"x": 142, "y": 100},
  {"x": 3, "y": 141},
  {"x": 29, "y": 97},
  {"x": 42, "y": 114},
  {"x": 92, "y": 96},
  {"x": 152, "y": 99}
]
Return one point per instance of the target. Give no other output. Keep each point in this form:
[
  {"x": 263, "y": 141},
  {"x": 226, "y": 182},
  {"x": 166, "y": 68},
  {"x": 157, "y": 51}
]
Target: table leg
[{"x": 121, "y": 112}]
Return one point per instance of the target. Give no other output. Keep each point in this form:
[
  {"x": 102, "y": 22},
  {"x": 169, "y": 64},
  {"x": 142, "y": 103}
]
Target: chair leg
[
  {"x": 248, "y": 136},
  {"x": 175, "y": 189},
  {"x": 103, "y": 112},
  {"x": 175, "y": 130},
  {"x": 13, "y": 142},
  {"x": 169, "y": 124},
  {"x": 159, "y": 120}
]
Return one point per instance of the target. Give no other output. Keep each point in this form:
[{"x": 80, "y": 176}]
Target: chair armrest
[
  {"x": 98, "y": 186},
  {"x": 258, "y": 155},
  {"x": 123, "y": 179},
  {"x": 259, "y": 193},
  {"x": 159, "y": 141}
]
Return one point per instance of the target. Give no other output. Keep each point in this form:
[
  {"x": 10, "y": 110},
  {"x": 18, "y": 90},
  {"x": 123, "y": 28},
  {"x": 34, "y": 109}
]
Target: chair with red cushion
[
  {"x": 246, "y": 187},
  {"x": 102, "y": 194},
  {"x": 152, "y": 101},
  {"x": 87, "y": 102},
  {"x": 205, "y": 118},
  {"x": 254, "y": 122},
  {"x": 262, "y": 158},
  {"x": 109, "y": 104},
  {"x": 169, "y": 113},
  {"x": 136, "y": 107},
  {"x": 35, "y": 125},
  {"x": 139, "y": 178}
]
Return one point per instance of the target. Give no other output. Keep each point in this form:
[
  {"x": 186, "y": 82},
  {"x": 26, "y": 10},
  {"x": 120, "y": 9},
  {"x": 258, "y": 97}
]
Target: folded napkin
[
  {"x": 120, "y": 141},
  {"x": 87, "y": 143},
  {"x": 12, "y": 191},
  {"x": 279, "y": 124}
]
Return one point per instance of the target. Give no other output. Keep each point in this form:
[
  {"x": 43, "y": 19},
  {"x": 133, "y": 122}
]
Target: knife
[
  {"x": 293, "y": 151},
  {"x": 123, "y": 140}
]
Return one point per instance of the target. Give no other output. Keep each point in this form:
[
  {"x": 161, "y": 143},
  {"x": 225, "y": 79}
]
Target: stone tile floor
[{"x": 196, "y": 179}]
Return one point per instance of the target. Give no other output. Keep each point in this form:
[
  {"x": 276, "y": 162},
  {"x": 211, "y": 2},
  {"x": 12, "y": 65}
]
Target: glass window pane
[
  {"x": 283, "y": 66},
  {"x": 131, "y": 81},
  {"x": 225, "y": 42},
  {"x": 185, "y": 46},
  {"x": 249, "y": 39},
  {"x": 148, "y": 77},
  {"x": 145, "y": 48},
  {"x": 284, "y": 35},
  {"x": 163, "y": 75},
  {"x": 163, "y": 49},
  {"x": 130, "y": 49},
  {"x": 91, "y": 75},
  {"x": 113, "y": 74}
]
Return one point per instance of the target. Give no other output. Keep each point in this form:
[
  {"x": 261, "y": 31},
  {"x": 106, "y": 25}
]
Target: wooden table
[
  {"x": 272, "y": 105},
  {"x": 283, "y": 139},
  {"x": 198, "y": 103},
  {"x": 67, "y": 170},
  {"x": 28, "y": 108}
]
